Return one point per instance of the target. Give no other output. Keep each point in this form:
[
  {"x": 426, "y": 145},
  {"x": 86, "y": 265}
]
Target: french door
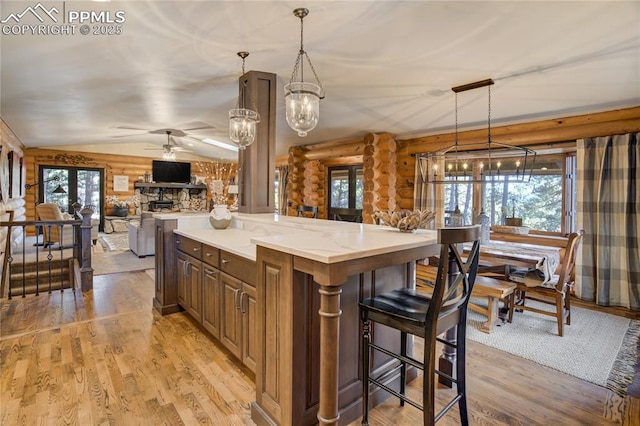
[{"x": 67, "y": 185}]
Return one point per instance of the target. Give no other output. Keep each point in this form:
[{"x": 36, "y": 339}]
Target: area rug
[
  {"x": 115, "y": 241},
  {"x": 120, "y": 261},
  {"x": 597, "y": 347}
]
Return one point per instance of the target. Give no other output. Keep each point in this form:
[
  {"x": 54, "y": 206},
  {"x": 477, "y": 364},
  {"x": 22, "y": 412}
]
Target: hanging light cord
[{"x": 299, "y": 65}]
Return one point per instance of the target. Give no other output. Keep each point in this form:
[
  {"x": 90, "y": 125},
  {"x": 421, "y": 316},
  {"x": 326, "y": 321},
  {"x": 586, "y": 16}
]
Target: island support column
[
  {"x": 329, "y": 354},
  {"x": 257, "y": 163}
]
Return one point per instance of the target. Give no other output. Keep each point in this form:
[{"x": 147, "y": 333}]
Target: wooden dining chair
[
  {"x": 555, "y": 292},
  {"x": 427, "y": 316},
  {"x": 303, "y": 210}
]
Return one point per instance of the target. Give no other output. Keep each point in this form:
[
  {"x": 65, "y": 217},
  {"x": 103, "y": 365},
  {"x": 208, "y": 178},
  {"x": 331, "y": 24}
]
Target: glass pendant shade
[
  {"x": 242, "y": 121},
  {"x": 302, "y": 106},
  {"x": 302, "y": 99},
  {"x": 242, "y": 126}
]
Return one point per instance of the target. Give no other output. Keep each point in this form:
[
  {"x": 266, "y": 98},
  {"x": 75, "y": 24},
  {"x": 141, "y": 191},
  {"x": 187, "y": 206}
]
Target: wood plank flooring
[{"x": 105, "y": 357}]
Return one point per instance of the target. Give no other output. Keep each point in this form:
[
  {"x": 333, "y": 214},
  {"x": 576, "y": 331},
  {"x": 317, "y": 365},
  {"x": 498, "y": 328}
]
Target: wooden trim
[{"x": 559, "y": 129}]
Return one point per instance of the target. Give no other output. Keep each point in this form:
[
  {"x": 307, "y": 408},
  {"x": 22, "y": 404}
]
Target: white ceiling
[{"x": 386, "y": 66}]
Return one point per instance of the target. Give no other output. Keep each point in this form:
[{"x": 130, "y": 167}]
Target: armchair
[
  {"x": 142, "y": 235},
  {"x": 63, "y": 235}
]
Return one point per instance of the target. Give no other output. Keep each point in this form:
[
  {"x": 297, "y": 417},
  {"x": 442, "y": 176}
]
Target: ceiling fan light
[
  {"x": 302, "y": 100},
  {"x": 242, "y": 126}
]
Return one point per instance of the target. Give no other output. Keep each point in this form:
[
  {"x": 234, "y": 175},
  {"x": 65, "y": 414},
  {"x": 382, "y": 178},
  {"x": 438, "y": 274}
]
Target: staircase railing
[{"x": 78, "y": 264}]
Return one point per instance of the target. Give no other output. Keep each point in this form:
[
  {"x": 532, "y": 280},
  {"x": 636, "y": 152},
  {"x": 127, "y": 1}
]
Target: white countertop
[{"x": 316, "y": 239}]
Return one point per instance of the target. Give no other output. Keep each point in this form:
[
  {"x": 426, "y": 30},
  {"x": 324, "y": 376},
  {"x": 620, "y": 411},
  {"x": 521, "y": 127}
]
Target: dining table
[{"x": 539, "y": 261}]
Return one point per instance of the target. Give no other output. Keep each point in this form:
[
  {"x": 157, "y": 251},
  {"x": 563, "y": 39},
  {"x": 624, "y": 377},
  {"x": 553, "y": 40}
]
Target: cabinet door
[
  {"x": 250, "y": 336},
  {"x": 231, "y": 320},
  {"x": 194, "y": 289},
  {"x": 211, "y": 301},
  {"x": 183, "y": 265}
]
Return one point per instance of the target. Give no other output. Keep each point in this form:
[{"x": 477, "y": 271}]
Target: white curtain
[{"x": 608, "y": 209}]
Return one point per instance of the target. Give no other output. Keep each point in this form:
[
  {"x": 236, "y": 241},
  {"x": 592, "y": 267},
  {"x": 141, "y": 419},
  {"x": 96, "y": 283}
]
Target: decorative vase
[
  {"x": 457, "y": 218},
  {"x": 220, "y": 216},
  {"x": 485, "y": 226},
  {"x": 120, "y": 211}
]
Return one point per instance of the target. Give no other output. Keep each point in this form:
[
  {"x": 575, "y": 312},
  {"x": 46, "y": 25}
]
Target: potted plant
[{"x": 120, "y": 207}]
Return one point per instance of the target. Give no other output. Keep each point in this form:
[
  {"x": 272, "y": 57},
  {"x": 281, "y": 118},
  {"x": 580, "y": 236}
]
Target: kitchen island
[{"x": 302, "y": 326}]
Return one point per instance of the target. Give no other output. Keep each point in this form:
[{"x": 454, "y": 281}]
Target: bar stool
[
  {"x": 427, "y": 316},
  {"x": 308, "y": 209}
]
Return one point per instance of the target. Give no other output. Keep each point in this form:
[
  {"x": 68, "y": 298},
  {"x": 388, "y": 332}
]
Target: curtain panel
[
  {"x": 608, "y": 209},
  {"x": 429, "y": 195},
  {"x": 283, "y": 184}
]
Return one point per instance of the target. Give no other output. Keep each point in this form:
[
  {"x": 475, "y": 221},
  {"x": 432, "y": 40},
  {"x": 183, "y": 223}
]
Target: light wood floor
[{"x": 106, "y": 357}]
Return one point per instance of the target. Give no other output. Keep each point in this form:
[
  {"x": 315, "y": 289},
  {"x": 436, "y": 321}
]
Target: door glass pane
[
  {"x": 339, "y": 188},
  {"x": 88, "y": 190},
  {"x": 51, "y": 185},
  {"x": 359, "y": 188}
]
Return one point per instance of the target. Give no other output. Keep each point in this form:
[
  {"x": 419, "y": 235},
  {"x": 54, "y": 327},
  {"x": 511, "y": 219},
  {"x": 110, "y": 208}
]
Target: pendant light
[
  {"x": 478, "y": 162},
  {"x": 302, "y": 98},
  {"x": 242, "y": 121}
]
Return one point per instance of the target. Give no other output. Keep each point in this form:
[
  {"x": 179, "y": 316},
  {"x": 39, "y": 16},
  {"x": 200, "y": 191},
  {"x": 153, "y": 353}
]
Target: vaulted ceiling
[{"x": 386, "y": 66}]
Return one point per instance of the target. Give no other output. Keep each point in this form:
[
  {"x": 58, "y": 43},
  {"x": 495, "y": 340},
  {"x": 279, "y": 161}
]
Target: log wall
[
  {"x": 112, "y": 165},
  {"x": 389, "y": 163},
  {"x": 379, "y": 173},
  {"x": 11, "y": 146},
  {"x": 539, "y": 133}
]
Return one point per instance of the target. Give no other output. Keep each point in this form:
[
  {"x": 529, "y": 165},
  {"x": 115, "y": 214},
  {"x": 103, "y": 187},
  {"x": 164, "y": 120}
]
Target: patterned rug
[
  {"x": 114, "y": 262},
  {"x": 597, "y": 347},
  {"x": 115, "y": 241}
]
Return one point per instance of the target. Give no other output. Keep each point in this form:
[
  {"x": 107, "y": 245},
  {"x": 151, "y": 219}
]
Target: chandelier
[
  {"x": 477, "y": 162},
  {"x": 301, "y": 97},
  {"x": 242, "y": 121}
]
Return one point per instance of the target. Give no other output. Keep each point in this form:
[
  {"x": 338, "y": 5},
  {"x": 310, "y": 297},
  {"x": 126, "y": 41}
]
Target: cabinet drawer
[
  {"x": 189, "y": 246},
  {"x": 210, "y": 255},
  {"x": 239, "y": 267}
]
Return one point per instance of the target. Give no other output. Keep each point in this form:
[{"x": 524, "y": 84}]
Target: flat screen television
[{"x": 171, "y": 171}]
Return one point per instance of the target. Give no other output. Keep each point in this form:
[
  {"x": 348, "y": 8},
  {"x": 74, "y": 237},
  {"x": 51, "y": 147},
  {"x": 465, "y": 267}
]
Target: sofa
[{"x": 142, "y": 241}]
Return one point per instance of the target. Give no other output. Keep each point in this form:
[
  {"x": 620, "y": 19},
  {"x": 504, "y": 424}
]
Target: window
[
  {"x": 459, "y": 195},
  {"x": 539, "y": 202},
  {"x": 346, "y": 187},
  {"x": 546, "y": 203}
]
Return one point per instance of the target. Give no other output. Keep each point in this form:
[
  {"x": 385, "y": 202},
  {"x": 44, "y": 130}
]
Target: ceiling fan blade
[
  {"x": 132, "y": 128},
  {"x": 127, "y": 136},
  {"x": 199, "y": 128}
]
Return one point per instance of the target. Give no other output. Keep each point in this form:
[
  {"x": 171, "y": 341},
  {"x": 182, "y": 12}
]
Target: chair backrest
[
  {"x": 49, "y": 211},
  {"x": 456, "y": 273},
  {"x": 346, "y": 215},
  {"x": 308, "y": 209},
  {"x": 569, "y": 260}
]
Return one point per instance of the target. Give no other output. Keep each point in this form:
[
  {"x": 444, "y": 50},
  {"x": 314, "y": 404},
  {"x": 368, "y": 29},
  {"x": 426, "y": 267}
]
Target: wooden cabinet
[
  {"x": 166, "y": 291},
  {"x": 238, "y": 322},
  {"x": 190, "y": 285},
  {"x": 250, "y": 338},
  {"x": 217, "y": 289},
  {"x": 211, "y": 300},
  {"x": 231, "y": 323}
]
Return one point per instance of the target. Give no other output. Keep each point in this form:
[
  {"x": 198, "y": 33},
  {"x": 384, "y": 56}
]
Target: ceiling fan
[{"x": 170, "y": 149}]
